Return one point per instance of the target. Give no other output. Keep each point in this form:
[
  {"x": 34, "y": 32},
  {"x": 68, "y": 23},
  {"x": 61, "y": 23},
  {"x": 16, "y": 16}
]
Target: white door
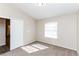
[{"x": 16, "y": 33}]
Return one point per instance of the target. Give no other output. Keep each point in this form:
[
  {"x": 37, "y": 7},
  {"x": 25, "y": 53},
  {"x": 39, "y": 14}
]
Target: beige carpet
[
  {"x": 40, "y": 46},
  {"x": 50, "y": 51},
  {"x": 34, "y": 48},
  {"x": 29, "y": 49}
]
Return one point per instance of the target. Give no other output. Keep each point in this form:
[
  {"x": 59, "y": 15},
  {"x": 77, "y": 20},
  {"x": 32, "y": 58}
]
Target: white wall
[
  {"x": 2, "y": 32},
  {"x": 67, "y": 31},
  {"x": 78, "y": 31},
  {"x": 8, "y": 11},
  {"x": 66, "y": 27}
]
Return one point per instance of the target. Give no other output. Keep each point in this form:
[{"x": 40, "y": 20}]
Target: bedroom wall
[
  {"x": 67, "y": 26},
  {"x": 78, "y": 32},
  {"x": 9, "y": 11},
  {"x": 67, "y": 31}
]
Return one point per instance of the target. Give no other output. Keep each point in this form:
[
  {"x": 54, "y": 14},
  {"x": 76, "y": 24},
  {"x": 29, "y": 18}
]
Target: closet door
[
  {"x": 16, "y": 33},
  {"x": 2, "y": 32}
]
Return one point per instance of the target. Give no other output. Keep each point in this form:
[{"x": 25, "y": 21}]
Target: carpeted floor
[
  {"x": 3, "y": 49},
  {"x": 50, "y": 51}
]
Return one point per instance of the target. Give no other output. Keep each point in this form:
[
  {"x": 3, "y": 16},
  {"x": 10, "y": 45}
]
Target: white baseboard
[
  {"x": 56, "y": 45},
  {"x": 28, "y": 42},
  {"x": 2, "y": 44}
]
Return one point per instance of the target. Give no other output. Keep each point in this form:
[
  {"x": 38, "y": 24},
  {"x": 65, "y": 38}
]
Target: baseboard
[
  {"x": 24, "y": 44},
  {"x": 29, "y": 42},
  {"x": 57, "y": 45},
  {"x": 2, "y": 44}
]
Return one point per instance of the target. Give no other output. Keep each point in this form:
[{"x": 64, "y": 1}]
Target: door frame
[{"x": 6, "y": 19}]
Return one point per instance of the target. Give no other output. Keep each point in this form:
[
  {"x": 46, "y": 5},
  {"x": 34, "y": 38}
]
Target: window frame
[{"x": 49, "y": 30}]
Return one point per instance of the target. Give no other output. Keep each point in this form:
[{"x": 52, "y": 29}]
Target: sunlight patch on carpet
[
  {"x": 34, "y": 48},
  {"x": 40, "y": 46},
  {"x": 29, "y": 49}
]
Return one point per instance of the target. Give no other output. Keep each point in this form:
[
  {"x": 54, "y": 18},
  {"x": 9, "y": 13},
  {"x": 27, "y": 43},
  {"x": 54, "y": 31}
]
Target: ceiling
[{"x": 48, "y": 10}]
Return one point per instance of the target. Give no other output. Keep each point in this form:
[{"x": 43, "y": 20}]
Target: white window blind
[{"x": 51, "y": 30}]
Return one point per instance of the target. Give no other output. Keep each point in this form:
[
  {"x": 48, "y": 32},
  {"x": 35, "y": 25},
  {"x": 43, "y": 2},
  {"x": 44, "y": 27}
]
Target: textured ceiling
[{"x": 50, "y": 10}]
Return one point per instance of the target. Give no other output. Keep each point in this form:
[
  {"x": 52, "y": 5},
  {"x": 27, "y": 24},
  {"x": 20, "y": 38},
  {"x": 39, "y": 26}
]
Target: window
[{"x": 51, "y": 30}]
